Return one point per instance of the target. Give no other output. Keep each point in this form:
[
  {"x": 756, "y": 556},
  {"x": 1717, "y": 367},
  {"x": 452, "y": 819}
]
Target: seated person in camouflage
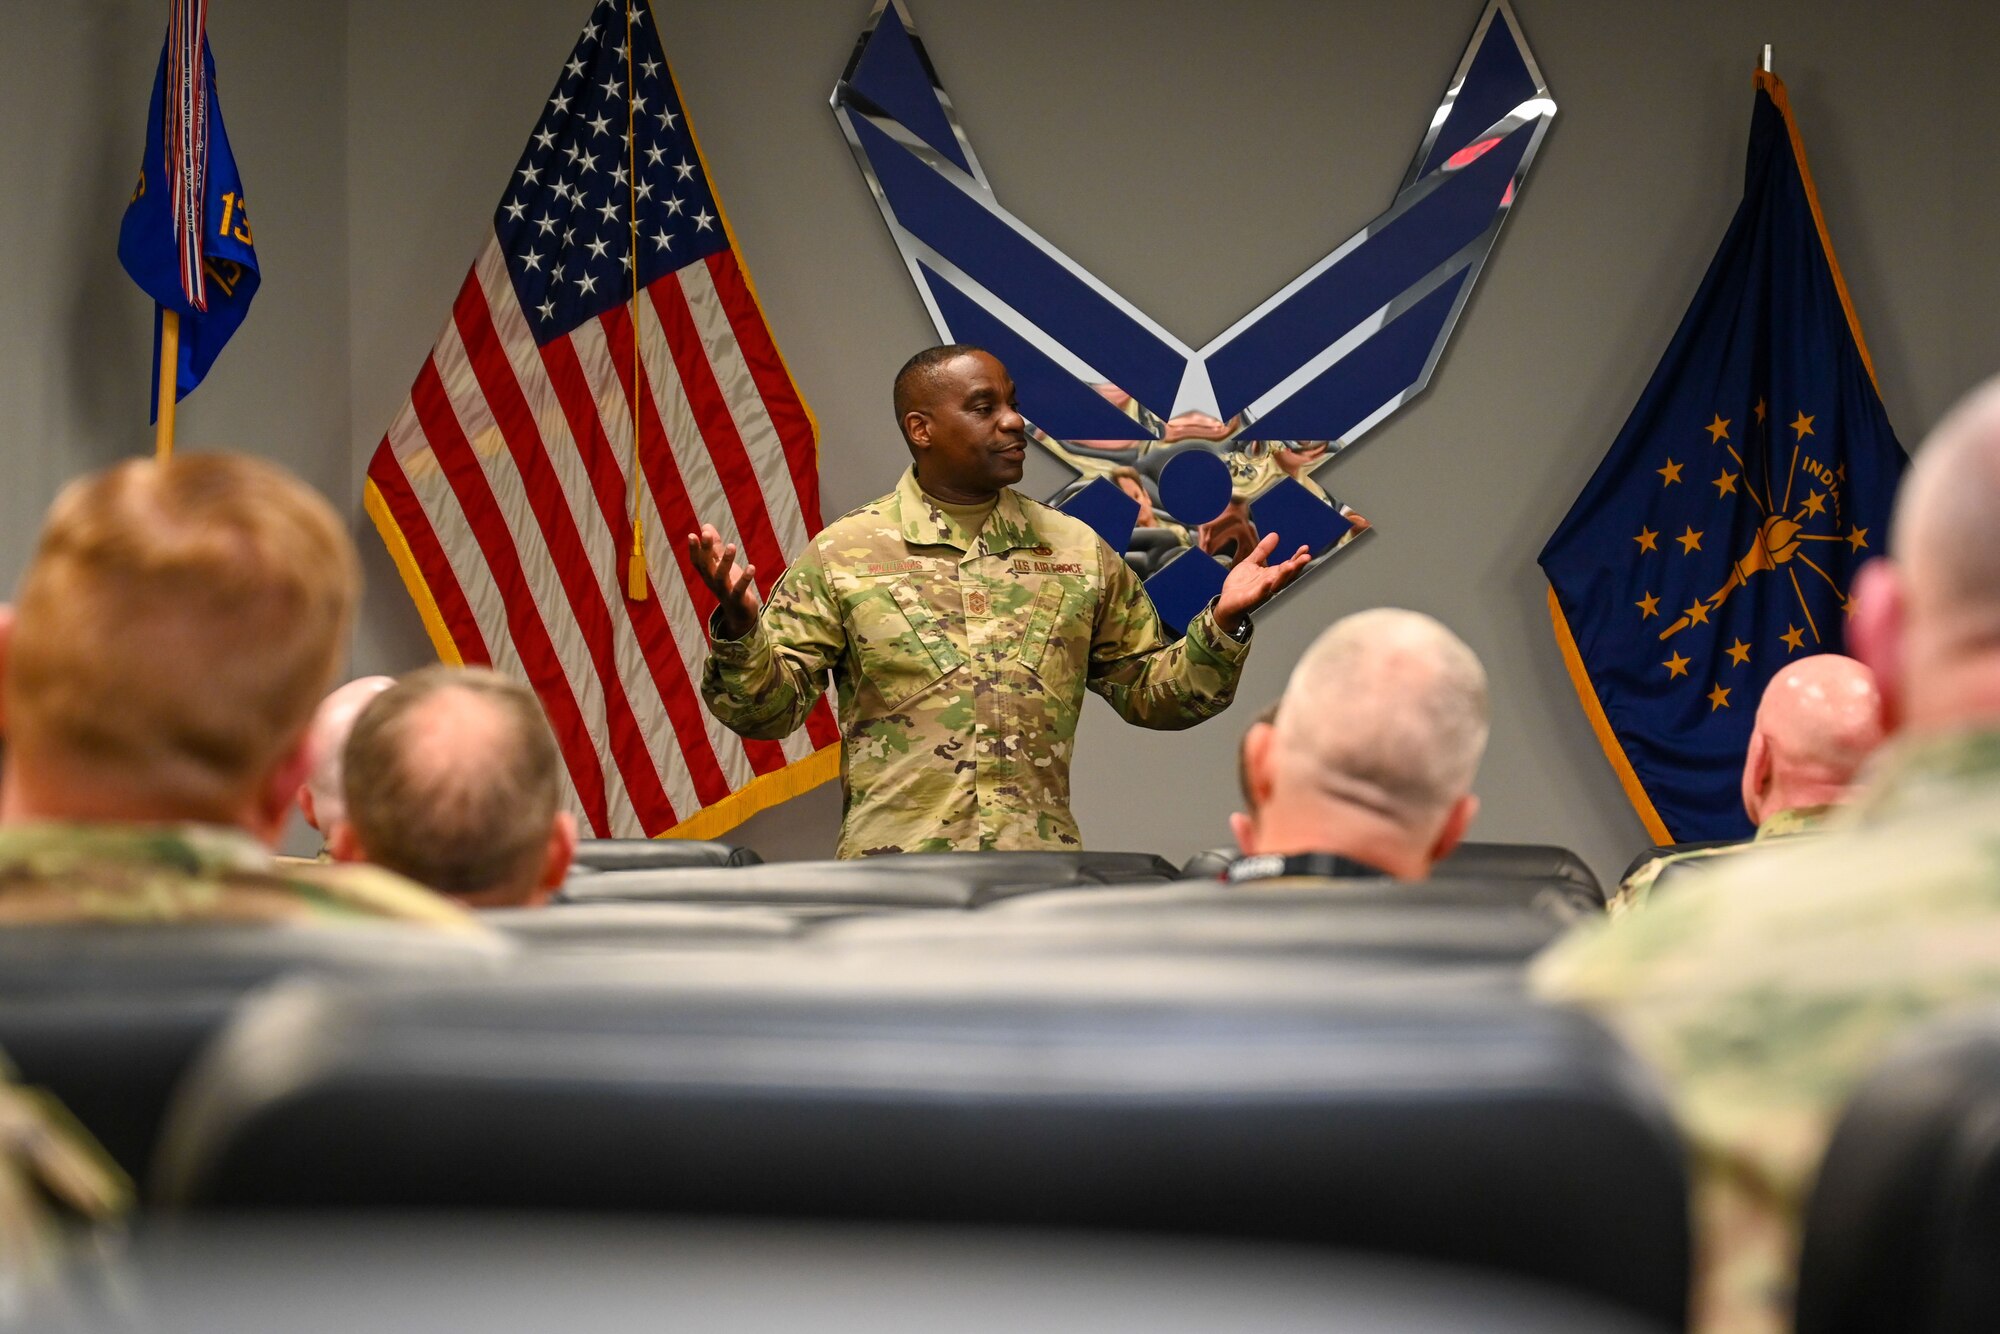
[
  {"x": 1766, "y": 991},
  {"x": 961, "y": 623},
  {"x": 1367, "y": 769},
  {"x": 1819, "y": 721},
  {"x": 176, "y": 625},
  {"x": 54, "y": 1180},
  {"x": 320, "y": 797},
  {"x": 454, "y": 780}
]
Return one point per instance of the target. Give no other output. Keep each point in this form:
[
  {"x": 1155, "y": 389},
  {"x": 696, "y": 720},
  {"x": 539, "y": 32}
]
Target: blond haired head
[{"x": 175, "y": 628}]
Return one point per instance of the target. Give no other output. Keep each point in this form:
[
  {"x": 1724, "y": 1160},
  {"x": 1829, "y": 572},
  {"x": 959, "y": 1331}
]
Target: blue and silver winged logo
[{"x": 1112, "y": 393}]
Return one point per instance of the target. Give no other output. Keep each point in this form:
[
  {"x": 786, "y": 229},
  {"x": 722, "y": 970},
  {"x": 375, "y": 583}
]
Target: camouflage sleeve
[
  {"x": 762, "y": 685},
  {"x": 49, "y": 1167},
  {"x": 1149, "y": 679}
]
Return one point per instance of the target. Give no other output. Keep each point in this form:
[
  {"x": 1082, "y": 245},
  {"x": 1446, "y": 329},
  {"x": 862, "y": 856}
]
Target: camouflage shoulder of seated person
[
  {"x": 187, "y": 872},
  {"x": 1637, "y": 888},
  {"x": 1765, "y": 992},
  {"x": 53, "y": 1176},
  {"x": 959, "y": 663}
]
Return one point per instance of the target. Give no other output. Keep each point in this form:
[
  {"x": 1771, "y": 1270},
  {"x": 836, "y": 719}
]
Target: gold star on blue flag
[{"x": 1761, "y": 446}]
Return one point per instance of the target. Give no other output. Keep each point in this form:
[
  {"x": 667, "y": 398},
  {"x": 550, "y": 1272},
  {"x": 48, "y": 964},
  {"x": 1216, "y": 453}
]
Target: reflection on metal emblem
[{"x": 1185, "y": 456}]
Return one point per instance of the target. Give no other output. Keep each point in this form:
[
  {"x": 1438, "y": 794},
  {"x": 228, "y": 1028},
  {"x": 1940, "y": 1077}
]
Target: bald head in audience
[
  {"x": 1819, "y": 721},
  {"x": 1927, "y": 618},
  {"x": 453, "y": 779},
  {"x": 320, "y": 799},
  {"x": 174, "y": 630},
  {"x": 1374, "y": 747}
]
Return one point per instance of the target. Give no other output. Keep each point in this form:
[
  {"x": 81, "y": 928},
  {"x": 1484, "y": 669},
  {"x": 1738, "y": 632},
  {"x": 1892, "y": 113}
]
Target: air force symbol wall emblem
[{"x": 1185, "y": 456}]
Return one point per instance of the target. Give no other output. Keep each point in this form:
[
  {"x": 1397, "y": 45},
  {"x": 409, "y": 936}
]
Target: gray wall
[{"x": 1195, "y": 155}]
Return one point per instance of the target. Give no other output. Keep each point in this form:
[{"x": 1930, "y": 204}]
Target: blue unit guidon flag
[
  {"x": 1719, "y": 538},
  {"x": 505, "y": 487},
  {"x": 185, "y": 238}
]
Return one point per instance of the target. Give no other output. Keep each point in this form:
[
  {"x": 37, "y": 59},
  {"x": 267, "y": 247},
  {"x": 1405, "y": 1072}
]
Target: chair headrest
[
  {"x": 644, "y": 926},
  {"x": 108, "y": 958},
  {"x": 626, "y": 854}
]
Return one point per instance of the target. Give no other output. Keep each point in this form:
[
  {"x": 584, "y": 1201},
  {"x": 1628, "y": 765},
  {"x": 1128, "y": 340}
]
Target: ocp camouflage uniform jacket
[
  {"x": 55, "y": 873},
  {"x": 959, "y": 666},
  {"x": 1767, "y": 990}
]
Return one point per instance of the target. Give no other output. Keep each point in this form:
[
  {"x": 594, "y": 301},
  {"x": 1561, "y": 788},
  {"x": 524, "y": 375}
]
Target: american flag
[
  {"x": 502, "y": 488},
  {"x": 187, "y": 140}
]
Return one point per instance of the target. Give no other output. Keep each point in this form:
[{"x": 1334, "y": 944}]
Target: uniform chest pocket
[
  {"x": 1047, "y": 649},
  {"x": 898, "y": 645}
]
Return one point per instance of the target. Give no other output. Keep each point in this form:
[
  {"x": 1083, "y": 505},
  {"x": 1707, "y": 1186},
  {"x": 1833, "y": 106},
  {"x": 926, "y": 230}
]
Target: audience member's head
[
  {"x": 320, "y": 798},
  {"x": 1928, "y": 618},
  {"x": 174, "y": 629},
  {"x": 453, "y": 779},
  {"x": 1819, "y": 721},
  {"x": 1374, "y": 748}
]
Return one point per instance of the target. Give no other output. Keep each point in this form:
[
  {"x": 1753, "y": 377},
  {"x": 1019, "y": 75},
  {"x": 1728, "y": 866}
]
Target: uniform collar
[
  {"x": 1798, "y": 820},
  {"x": 51, "y": 849},
  {"x": 923, "y": 524}
]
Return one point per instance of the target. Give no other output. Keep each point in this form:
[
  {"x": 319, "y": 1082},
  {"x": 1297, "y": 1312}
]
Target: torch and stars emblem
[{"x": 1786, "y": 512}]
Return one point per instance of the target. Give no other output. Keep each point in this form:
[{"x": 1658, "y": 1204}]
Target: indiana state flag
[
  {"x": 1719, "y": 538},
  {"x": 186, "y": 234}
]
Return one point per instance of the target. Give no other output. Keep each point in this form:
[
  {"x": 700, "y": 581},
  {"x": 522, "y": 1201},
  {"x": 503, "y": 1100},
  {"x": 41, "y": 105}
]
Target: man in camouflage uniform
[
  {"x": 1767, "y": 991},
  {"x": 962, "y": 622},
  {"x": 175, "y": 628},
  {"x": 1819, "y": 721}
]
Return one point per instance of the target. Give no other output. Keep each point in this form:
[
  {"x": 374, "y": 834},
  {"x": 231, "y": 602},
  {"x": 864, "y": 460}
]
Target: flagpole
[
  {"x": 170, "y": 361},
  {"x": 635, "y": 574}
]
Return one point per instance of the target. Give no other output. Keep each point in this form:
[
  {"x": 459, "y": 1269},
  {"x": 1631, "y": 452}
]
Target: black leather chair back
[
  {"x": 903, "y": 880},
  {"x": 1676, "y": 876},
  {"x": 1530, "y": 861},
  {"x": 1379, "y": 922},
  {"x": 1042, "y": 868},
  {"x": 773, "y": 884},
  {"x": 1210, "y": 863},
  {"x": 1491, "y": 1132},
  {"x": 509, "y": 1275},
  {"x": 1903, "y": 1229},
  {"x": 109, "y": 1017},
  {"x": 648, "y": 927},
  {"x": 637, "y": 854},
  {"x": 1534, "y": 861},
  {"x": 1559, "y": 898}
]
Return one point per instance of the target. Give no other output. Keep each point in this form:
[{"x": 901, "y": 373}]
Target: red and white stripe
[
  {"x": 186, "y": 137},
  {"x": 507, "y": 474}
]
